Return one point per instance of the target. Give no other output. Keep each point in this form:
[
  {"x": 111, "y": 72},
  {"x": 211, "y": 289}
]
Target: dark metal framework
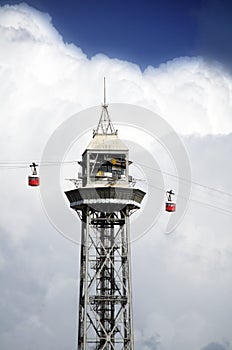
[
  {"x": 105, "y": 298},
  {"x": 105, "y": 302}
]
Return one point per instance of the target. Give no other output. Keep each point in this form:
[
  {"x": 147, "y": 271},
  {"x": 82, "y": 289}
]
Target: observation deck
[{"x": 107, "y": 199}]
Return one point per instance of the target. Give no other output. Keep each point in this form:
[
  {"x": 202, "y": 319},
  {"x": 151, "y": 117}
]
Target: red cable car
[
  {"x": 170, "y": 205},
  {"x": 33, "y": 180}
]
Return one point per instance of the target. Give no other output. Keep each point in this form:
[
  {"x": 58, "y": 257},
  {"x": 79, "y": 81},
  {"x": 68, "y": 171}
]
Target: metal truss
[{"x": 105, "y": 300}]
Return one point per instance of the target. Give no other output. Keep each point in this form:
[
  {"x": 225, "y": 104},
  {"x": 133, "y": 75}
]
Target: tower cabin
[
  {"x": 105, "y": 160},
  {"x": 105, "y": 171}
]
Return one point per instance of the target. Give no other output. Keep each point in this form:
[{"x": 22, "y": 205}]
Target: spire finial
[
  {"x": 104, "y": 104},
  {"x": 105, "y": 126}
]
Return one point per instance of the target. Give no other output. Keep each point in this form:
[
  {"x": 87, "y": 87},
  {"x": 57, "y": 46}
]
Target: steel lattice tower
[{"x": 104, "y": 203}]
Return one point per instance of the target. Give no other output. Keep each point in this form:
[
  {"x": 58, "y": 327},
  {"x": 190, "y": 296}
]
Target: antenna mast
[
  {"x": 105, "y": 126},
  {"x": 104, "y": 104}
]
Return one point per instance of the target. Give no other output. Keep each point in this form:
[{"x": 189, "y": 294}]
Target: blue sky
[{"x": 144, "y": 32}]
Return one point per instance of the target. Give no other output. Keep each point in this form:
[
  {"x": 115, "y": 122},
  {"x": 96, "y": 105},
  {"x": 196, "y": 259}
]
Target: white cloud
[
  {"x": 26, "y": 23},
  {"x": 181, "y": 281},
  {"x": 48, "y": 80}
]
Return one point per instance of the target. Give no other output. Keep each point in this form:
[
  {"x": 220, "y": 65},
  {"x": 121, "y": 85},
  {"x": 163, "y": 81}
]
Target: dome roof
[{"x": 106, "y": 142}]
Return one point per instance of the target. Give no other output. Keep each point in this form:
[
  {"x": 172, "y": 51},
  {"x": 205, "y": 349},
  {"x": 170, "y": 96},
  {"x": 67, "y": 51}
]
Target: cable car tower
[{"x": 104, "y": 203}]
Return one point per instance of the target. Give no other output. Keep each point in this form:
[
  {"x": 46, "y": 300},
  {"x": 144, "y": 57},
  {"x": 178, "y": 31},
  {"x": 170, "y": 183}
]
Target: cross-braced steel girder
[{"x": 105, "y": 301}]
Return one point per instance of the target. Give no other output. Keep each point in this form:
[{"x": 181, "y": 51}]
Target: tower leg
[{"x": 105, "y": 301}]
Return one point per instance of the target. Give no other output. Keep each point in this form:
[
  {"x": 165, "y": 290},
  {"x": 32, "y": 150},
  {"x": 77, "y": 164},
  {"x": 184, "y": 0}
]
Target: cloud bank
[
  {"x": 182, "y": 283},
  {"x": 49, "y": 79}
]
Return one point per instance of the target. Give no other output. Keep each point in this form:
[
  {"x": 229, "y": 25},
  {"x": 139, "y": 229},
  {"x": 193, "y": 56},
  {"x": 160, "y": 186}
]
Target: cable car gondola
[
  {"x": 170, "y": 205},
  {"x": 33, "y": 180}
]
